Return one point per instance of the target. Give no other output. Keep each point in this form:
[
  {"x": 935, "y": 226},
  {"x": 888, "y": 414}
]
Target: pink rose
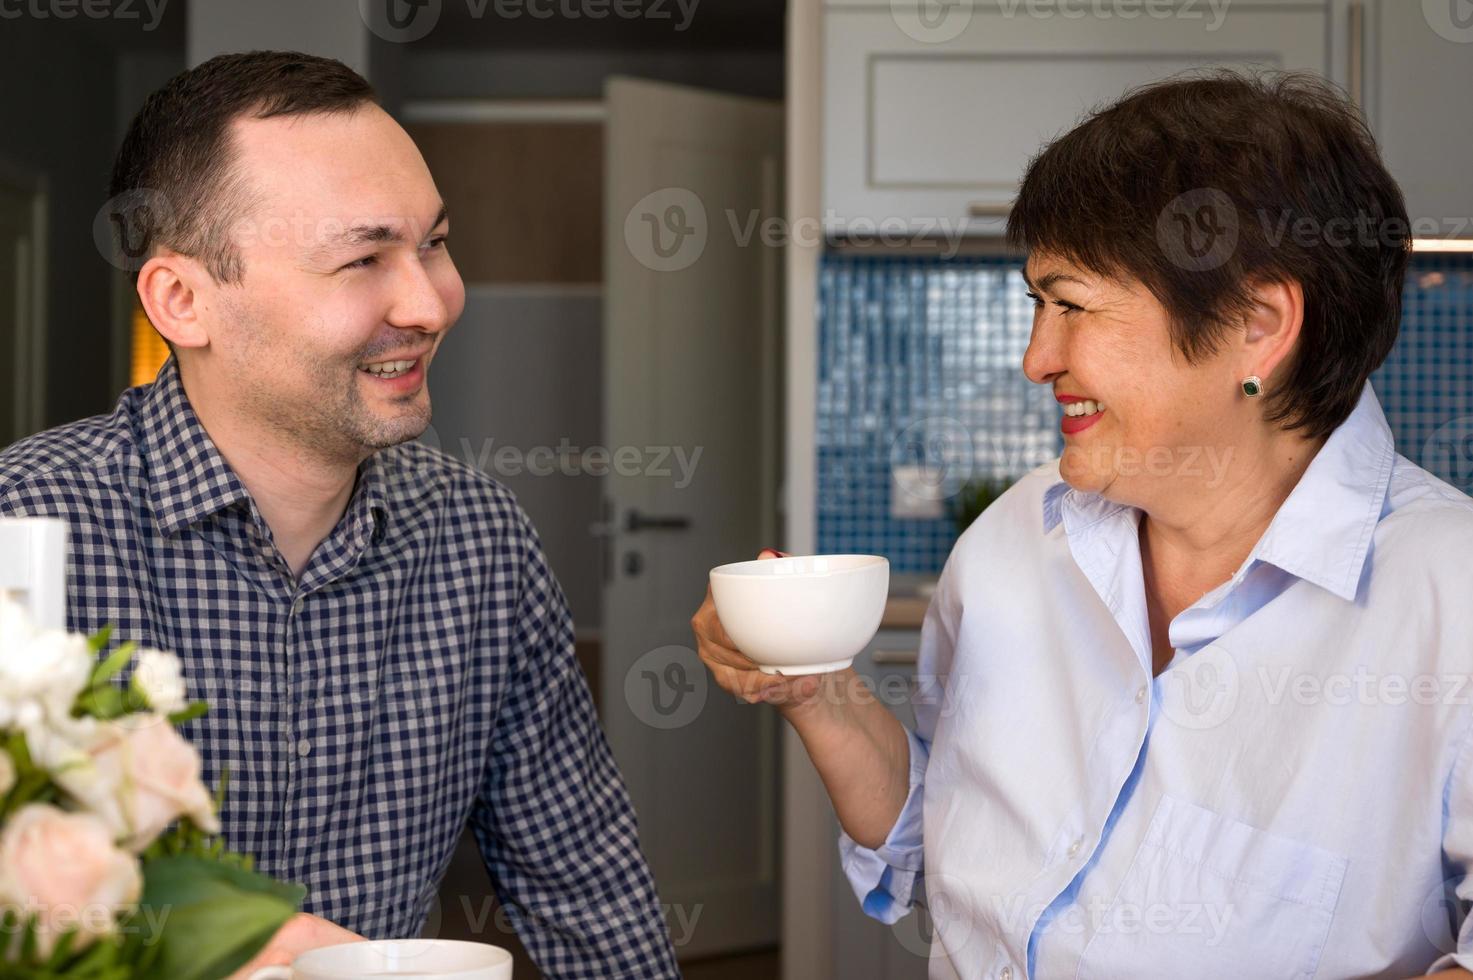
[
  {"x": 139, "y": 775},
  {"x": 64, "y": 869}
]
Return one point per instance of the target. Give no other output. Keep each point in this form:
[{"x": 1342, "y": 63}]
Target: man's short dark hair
[
  {"x": 1202, "y": 187},
  {"x": 174, "y": 182}
]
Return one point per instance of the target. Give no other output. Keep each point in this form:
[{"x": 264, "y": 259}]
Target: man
[{"x": 385, "y": 652}]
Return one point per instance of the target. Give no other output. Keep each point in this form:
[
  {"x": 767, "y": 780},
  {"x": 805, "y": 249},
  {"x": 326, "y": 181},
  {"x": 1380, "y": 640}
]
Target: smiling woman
[{"x": 1109, "y": 775}]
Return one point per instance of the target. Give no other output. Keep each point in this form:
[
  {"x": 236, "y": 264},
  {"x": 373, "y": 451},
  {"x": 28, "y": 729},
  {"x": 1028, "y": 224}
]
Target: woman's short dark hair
[
  {"x": 1201, "y": 187},
  {"x": 174, "y": 182}
]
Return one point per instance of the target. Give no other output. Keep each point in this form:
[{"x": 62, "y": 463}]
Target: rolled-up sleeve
[{"x": 884, "y": 879}]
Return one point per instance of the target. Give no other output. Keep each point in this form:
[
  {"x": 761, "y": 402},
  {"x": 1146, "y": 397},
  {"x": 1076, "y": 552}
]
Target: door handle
[{"x": 637, "y": 522}]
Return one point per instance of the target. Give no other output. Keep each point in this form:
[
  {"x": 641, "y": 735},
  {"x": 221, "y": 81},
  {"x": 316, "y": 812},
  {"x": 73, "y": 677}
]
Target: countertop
[{"x": 910, "y": 596}]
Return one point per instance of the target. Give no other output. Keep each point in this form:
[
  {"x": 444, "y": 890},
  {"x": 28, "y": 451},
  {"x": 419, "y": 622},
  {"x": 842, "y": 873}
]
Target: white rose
[
  {"x": 41, "y": 673},
  {"x": 162, "y": 680},
  {"x": 139, "y": 776},
  {"x": 64, "y": 869}
]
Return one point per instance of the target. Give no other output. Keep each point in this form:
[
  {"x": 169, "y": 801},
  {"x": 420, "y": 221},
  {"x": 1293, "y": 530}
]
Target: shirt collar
[
  {"x": 188, "y": 479},
  {"x": 1322, "y": 531}
]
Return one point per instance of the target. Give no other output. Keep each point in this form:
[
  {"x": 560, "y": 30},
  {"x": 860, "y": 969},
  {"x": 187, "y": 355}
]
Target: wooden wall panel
[{"x": 525, "y": 198}]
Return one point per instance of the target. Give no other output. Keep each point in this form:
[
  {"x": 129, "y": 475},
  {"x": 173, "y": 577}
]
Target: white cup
[
  {"x": 440, "y": 959},
  {"x": 805, "y": 614}
]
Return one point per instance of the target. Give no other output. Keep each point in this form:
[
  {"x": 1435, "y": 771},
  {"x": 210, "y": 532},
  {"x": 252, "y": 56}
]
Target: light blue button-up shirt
[{"x": 1291, "y": 797}]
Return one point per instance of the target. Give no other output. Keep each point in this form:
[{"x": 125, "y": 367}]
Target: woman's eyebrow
[{"x": 1047, "y": 281}]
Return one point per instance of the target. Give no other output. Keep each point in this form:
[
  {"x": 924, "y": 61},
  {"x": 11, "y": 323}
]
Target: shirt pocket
[{"x": 1209, "y": 896}]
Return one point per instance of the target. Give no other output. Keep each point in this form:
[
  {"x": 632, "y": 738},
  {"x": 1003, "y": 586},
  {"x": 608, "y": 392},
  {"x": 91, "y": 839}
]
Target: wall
[
  {"x": 580, "y": 73},
  {"x": 57, "y": 120},
  {"x": 920, "y": 365}
]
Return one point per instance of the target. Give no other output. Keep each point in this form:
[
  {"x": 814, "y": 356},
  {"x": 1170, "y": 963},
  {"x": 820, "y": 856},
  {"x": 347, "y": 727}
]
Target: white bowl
[{"x": 805, "y": 614}]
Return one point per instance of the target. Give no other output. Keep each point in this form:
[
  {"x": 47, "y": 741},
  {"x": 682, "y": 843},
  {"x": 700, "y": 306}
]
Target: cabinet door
[
  {"x": 1418, "y": 105},
  {"x": 865, "y": 949},
  {"x": 930, "y": 121}
]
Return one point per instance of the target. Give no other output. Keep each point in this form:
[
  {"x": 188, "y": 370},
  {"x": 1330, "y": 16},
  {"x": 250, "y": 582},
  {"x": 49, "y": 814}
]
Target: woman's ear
[
  {"x": 1272, "y": 328},
  {"x": 174, "y": 290}
]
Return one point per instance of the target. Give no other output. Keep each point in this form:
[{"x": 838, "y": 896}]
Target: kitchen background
[
  {"x": 754, "y": 235},
  {"x": 921, "y": 393}
]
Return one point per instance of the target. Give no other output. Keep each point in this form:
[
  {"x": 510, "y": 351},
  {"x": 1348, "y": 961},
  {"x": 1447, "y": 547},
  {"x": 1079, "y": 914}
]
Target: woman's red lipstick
[{"x": 1070, "y": 424}]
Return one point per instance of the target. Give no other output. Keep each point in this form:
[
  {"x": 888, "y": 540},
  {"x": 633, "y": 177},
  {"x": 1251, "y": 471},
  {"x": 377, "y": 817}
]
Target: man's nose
[{"x": 418, "y": 304}]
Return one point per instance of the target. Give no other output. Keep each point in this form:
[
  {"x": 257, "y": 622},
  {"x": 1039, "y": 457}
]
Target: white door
[{"x": 691, "y": 387}]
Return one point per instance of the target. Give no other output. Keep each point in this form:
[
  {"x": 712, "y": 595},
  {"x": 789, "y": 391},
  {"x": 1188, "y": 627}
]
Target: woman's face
[{"x": 1160, "y": 417}]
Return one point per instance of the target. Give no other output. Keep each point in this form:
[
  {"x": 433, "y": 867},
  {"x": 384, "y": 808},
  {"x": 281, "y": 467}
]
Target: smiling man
[{"x": 386, "y": 654}]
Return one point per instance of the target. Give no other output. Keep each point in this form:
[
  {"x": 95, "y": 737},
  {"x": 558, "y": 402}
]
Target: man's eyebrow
[{"x": 359, "y": 235}]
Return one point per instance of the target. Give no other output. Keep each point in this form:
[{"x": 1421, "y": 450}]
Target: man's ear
[
  {"x": 1272, "y": 328},
  {"x": 175, "y": 291}
]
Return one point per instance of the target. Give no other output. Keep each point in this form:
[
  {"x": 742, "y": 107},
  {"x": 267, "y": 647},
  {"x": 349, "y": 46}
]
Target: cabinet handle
[
  {"x": 989, "y": 209},
  {"x": 1355, "y": 16},
  {"x": 895, "y": 657}
]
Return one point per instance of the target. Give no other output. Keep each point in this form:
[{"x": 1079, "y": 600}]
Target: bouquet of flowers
[{"x": 111, "y": 864}]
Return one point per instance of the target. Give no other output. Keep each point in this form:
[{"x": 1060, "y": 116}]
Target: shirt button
[
  {"x": 1074, "y": 847},
  {"x": 1140, "y": 696},
  {"x": 1006, "y": 974},
  {"x": 304, "y": 747}
]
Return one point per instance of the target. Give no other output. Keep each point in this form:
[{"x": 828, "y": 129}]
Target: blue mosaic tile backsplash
[{"x": 921, "y": 388}]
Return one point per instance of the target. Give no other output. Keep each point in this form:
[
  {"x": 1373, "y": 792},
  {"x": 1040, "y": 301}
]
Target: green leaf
[
  {"x": 211, "y": 918},
  {"x": 189, "y": 713},
  {"x": 115, "y": 662},
  {"x": 61, "y": 950},
  {"x": 104, "y": 702},
  {"x": 28, "y": 941},
  {"x": 98, "y": 641}
]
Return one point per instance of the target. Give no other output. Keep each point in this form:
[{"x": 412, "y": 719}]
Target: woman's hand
[
  {"x": 301, "y": 933},
  {"x": 857, "y": 746},
  {"x": 738, "y": 674}
]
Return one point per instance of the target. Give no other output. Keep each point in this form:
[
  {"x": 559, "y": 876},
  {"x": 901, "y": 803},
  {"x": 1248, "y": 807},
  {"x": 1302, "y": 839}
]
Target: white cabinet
[
  {"x": 932, "y": 108},
  {"x": 1418, "y": 81}
]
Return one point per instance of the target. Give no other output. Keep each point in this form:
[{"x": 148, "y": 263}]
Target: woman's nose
[{"x": 1044, "y": 359}]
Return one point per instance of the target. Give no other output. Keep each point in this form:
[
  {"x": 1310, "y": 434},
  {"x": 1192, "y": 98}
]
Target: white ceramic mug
[{"x": 441, "y": 959}]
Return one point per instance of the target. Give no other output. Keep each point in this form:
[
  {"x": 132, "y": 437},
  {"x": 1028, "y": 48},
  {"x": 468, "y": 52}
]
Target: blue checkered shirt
[{"x": 419, "y": 675}]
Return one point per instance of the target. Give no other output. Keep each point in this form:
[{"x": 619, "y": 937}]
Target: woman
[{"x": 1192, "y": 697}]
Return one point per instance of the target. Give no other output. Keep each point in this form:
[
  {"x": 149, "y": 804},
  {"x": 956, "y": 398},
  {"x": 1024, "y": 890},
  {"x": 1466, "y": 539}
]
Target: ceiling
[{"x": 654, "y": 24}]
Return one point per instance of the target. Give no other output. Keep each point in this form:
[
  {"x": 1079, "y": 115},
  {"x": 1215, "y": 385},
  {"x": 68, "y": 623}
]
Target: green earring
[{"x": 1253, "y": 386}]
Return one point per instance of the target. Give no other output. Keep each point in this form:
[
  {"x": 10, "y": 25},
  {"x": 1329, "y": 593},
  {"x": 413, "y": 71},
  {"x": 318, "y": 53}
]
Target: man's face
[{"x": 345, "y": 266}]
